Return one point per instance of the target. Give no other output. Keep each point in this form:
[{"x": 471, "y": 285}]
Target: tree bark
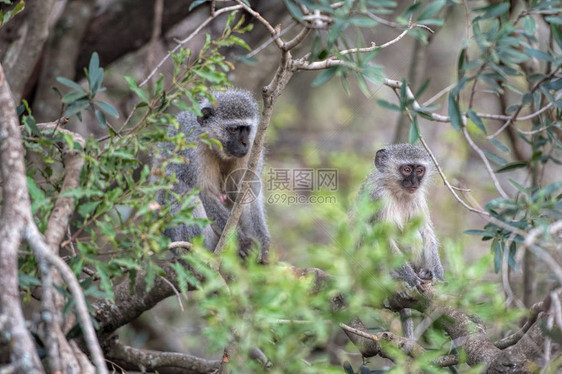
[
  {"x": 60, "y": 57},
  {"x": 22, "y": 56},
  {"x": 13, "y": 220}
]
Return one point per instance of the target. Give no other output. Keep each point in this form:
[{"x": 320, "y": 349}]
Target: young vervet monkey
[
  {"x": 233, "y": 121},
  {"x": 400, "y": 183}
]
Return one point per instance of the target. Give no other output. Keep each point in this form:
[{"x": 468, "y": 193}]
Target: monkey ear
[
  {"x": 380, "y": 159},
  {"x": 207, "y": 112}
]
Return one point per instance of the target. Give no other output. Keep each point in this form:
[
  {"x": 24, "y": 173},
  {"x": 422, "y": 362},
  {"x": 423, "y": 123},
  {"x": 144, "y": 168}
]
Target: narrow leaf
[
  {"x": 476, "y": 120},
  {"x": 414, "y": 131},
  {"x": 108, "y": 108},
  {"x": 69, "y": 83},
  {"x": 454, "y": 113}
]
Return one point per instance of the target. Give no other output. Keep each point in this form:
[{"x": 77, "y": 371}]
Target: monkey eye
[
  {"x": 406, "y": 170},
  {"x": 232, "y": 130},
  {"x": 420, "y": 170}
]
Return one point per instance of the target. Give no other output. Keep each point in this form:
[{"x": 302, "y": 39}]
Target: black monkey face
[
  {"x": 412, "y": 175},
  {"x": 237, "y": 142}
]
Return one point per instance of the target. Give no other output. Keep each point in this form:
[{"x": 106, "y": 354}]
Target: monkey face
[
  {"x": 235, "y": 134},
  {"x": 412, "y": 175},
  {"x": 237, "y": 142}
]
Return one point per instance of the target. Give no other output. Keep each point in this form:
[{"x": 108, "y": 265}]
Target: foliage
[{"x": 118, "y": 224}]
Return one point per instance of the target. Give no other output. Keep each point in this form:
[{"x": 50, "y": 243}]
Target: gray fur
[
  {"x": 399, "y": 206},
  {"x": 209, "y": 166}
]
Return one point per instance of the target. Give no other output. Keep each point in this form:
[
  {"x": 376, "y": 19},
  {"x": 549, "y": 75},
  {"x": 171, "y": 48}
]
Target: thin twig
[
  {"x": 271, "y": 40},
  {"x": 272, "y": 31},
  {"x": 484, "y": 159},
  {"x": 178, "y": 294},
  {"x": 182, "y": 42},
  {"x": 358, "y": 332},
  {"x": 439, "y": 94}
]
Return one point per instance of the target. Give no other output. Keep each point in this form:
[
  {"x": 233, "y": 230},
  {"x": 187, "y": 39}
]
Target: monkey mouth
[{"x": 411, "y": 189}]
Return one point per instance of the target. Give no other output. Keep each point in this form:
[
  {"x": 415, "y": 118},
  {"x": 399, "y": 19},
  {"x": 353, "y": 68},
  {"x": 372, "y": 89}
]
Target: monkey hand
[
  {"x": 245, "y": 245},
  {"x": 415, "y": 282},
  {"x": 438, "y": 272}
]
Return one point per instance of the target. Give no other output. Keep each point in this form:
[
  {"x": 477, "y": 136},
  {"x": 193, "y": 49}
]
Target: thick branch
[
  {"x": 15, "y": 215},
  {"x": 515, "y": 337},
  {"x": 21, "y": 61},
  {"x": 44, "y": 253},
  {"x": 129, "y": 304},
  {"x": 147, "y": 360},
  {"x": 64, "y": 206}
]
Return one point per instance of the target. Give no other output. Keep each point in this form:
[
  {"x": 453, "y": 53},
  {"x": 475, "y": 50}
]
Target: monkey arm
[
  {"x": 253, "y": 223},
  {"x": 431, "y": 252},
  {"x": 218, "y": 212},
  {"x": 215, "y": 209},
  {"x": 405, "y": 272}
]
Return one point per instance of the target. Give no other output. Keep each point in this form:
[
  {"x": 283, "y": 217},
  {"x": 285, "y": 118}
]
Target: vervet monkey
[
  {"x": 233, "y": 121},
  {"x": 400, "y": 183}
]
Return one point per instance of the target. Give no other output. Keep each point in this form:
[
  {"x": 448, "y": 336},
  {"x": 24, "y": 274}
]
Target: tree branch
[
  {"x": 15, "y": 215},
  {"x": 148, "y": 360},
  {"x": 21, "y": 62}
]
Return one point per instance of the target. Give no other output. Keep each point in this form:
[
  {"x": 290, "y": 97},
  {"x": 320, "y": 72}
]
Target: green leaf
[
  {"x": 27, "y": 281},
  {"x": 108, "y": 108},
  {"x": 293, "y": 9},
  {"x": 476, "y": 120},
  {"x": 495, "y": 158},
  {"x": 29, "y": 122},
  {"x": 414, "y": 131},
  {"x": 557, "y": 34},
  {"x": 431, "y": 10},
  {"x": 511, "y": 255},
  {"x": 37, "y": 194},
  {"x": 105, "y": 278},
  {"x": 476, "y": 232},
  {"x": 74, "y": 96},
  {"x": 529, "y": 25},
  {"x": 86, "y": 208},
  {"x": 94, "y": 64},
  {"x": 554, "y": 20},
  {"x": 127, "y": 263},
  {"x": 497, "y": 249},
  {"x": 539, "y": 54},
  {"x": 76, "y": 107},
  {"x": 100, "y": 118},
  {"x": 499, "y": 145},
  {"x": 454, "y": 113},
  {"x": 493, "y": 10},
  {"x": 133, "y": 87},
  {"x": 363, "y": 22},
  {"x": 511, "y": 166},
  {"x": 324, "y": 76},
  {"x": 196, "y": 3},
  {"x": 69, "y": 83},
  {"x": 385, "y": 104},
  {"x": 238, "y": 41},
  {"x": 211, "y": 76}
]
